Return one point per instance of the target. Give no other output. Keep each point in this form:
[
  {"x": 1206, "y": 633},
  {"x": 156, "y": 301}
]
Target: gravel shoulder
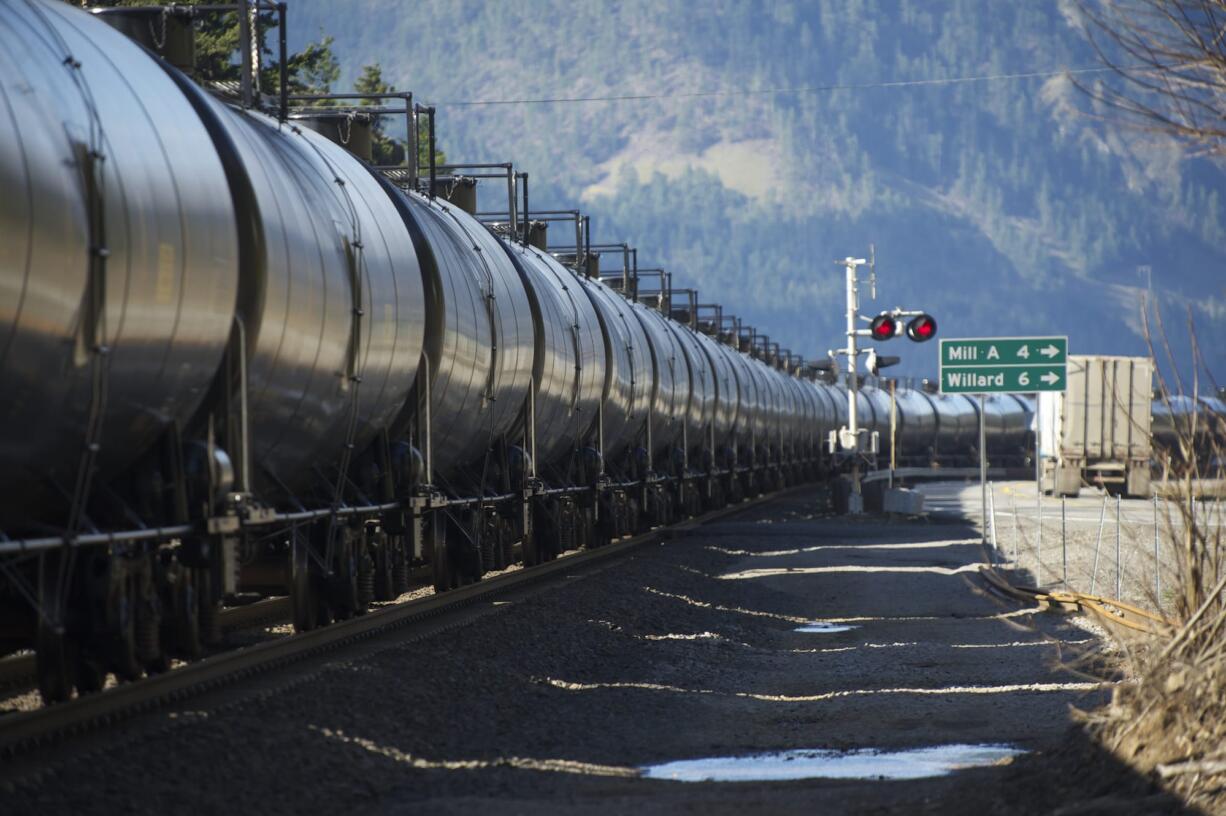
[{"x": 686, "y": 649}]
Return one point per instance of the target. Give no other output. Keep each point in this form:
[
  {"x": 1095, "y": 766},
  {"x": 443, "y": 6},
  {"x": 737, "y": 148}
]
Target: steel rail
[
  {"x": 19, "y": 673},
  {"x": 26, "y": 731}
]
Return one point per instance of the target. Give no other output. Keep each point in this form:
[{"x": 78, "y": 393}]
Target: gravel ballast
[{"x": 682, "y": 650}]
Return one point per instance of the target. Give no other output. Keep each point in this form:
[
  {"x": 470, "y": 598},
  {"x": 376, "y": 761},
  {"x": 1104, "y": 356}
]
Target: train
[{"x": 238, "y": 359}]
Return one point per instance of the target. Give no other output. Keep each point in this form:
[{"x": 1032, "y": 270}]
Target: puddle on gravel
[
  {"x": 821, "y": 627},
  {"x": 866, "y": 763}
]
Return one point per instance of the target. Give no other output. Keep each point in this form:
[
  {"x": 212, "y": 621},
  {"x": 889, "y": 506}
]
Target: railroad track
[
  {"x": 23, "y": 732},
  {"x": 17, "y": 672}
]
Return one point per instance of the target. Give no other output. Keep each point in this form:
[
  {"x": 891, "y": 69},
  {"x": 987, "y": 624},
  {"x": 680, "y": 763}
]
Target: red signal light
[
  {"x": 921, "y": 328},
  {"x": 883, "y": 327}
]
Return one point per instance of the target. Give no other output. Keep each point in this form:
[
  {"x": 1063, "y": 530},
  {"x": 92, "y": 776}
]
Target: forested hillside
[{"x": 994, "y": 204}]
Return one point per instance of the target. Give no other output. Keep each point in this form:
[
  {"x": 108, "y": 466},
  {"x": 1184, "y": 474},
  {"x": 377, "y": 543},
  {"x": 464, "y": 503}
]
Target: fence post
[
  {"x": 1119, "y": 566},
  {"x": 1013, "y": 507},
  {"x": 1038, "y": 541},
  {"x": 1157, "y": 562},
  {"x": 1064, "y": 540},
  {"x": 1102, "y": 517},
  {"x": 992, "y": 516}
]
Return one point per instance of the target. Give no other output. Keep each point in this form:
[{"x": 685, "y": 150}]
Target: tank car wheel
[
  {"x": 209, "y": 607},
  {"x": 542, "y": 527},
  {"x": 150, "y": 646},
  {"x": 366, "y": 579},
  {"x": 496, "y": 544},
  {"x": 54, "y": 664},
  {"x": 151, "y": 621},
  {"x": 488, "y": 541},
  {"x": 565, "y": 531},
  {"x": 304, "y": 599},
  {"x": 91, "y": 676},
  {"x": 344, "y": 593},
  {"x": 441, "y": 567},
  {"x": 183, "y": 628},
  {"x": 467, "y": 554},
  {"x": 494, "y": 539},
  {"x": 400, "y": 565},
  {"x": 55, "y": 653},
  {"x": 629, "y": 515},
  {"x": 506, "y": 538},
  {"x": 586, "y": 537},
  {"x": 603, "y": 530},
  {"x": 122, "y": 634},
  {"x": 385, "y": 567},
  {"x": 324, "y": 614},
  {"x": 530, "y": 556}
]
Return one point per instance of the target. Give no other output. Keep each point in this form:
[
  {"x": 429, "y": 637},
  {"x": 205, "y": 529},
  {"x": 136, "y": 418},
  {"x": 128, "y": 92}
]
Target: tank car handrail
[{"x": 18, "y": 546}]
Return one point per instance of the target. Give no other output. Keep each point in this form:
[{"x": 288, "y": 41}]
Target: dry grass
[{"x": 1168, "y": 719}]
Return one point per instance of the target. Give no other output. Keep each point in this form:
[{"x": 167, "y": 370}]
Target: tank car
[
  {"x": 1184, "y": 427},
  {"x": 117, "y": 304}
]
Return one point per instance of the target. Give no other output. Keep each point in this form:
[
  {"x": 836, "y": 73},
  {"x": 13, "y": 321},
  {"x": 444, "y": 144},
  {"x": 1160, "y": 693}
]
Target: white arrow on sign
[
  {"x": 1049, "y": 351},
  {"x": 1051, "y": 378}
]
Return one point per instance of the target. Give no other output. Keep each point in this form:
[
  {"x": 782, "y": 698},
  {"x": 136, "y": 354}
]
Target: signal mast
[{"x": 886, "y": 325}]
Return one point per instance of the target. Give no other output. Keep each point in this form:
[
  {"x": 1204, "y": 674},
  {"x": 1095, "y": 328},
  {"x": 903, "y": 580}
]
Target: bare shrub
[{"x": 1169, "y": 717}]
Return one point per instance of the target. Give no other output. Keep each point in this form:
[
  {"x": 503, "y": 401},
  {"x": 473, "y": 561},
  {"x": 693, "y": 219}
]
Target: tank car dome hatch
[
  {"x": 167, "y": 32},
  {"x": 156, "y": 296},
  {"x": 538, "y": 235},
  {"x": 352, "y": 130},
  {"x": 593, "y": 266},
  {"x": 458, "y": 191}
]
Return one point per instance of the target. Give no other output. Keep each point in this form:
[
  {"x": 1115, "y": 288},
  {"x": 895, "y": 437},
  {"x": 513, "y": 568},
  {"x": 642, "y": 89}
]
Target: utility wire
[{"x": 856, "y": 86}]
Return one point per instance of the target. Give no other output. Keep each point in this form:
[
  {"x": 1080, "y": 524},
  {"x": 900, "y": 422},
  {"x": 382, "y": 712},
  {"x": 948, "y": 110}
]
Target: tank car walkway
[{"x": 685, "y": 650}]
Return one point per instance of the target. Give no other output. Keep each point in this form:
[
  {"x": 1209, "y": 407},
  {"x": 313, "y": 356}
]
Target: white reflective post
[
  {"x": 983, "y": 474},
  {"x": 1038, "y": 492},
  {"x": 1064, "y": 542},
  {"x": 1119, "y": 567},
  {"x": 1157, "y": 561}
]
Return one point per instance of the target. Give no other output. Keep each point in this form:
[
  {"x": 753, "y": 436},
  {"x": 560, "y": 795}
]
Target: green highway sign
[
  {"x": 1003, "y": 365},
  {"x": 1002, "y": 379},
  {"x": 1005, "y": 351}
]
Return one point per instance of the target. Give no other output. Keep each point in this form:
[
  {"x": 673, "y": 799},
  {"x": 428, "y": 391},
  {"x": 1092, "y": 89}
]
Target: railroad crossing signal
[
  {"x": 887, "y": 325},
  {"x": 1003, "y": 365}
]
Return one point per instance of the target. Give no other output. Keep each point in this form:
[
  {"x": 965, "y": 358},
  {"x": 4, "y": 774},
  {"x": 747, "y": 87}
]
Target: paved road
[
  {"x": 688, "y": 650},
  {"x": 1019, "y": 498}
]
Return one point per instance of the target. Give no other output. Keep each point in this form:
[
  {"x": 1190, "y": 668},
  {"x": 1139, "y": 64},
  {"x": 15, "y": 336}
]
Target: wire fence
[{"x": 1128, "y": 549}]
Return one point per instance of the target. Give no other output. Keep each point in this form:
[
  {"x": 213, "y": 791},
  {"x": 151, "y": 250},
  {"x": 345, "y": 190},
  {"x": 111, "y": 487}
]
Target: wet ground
[{"x": 774, "y": 630}]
